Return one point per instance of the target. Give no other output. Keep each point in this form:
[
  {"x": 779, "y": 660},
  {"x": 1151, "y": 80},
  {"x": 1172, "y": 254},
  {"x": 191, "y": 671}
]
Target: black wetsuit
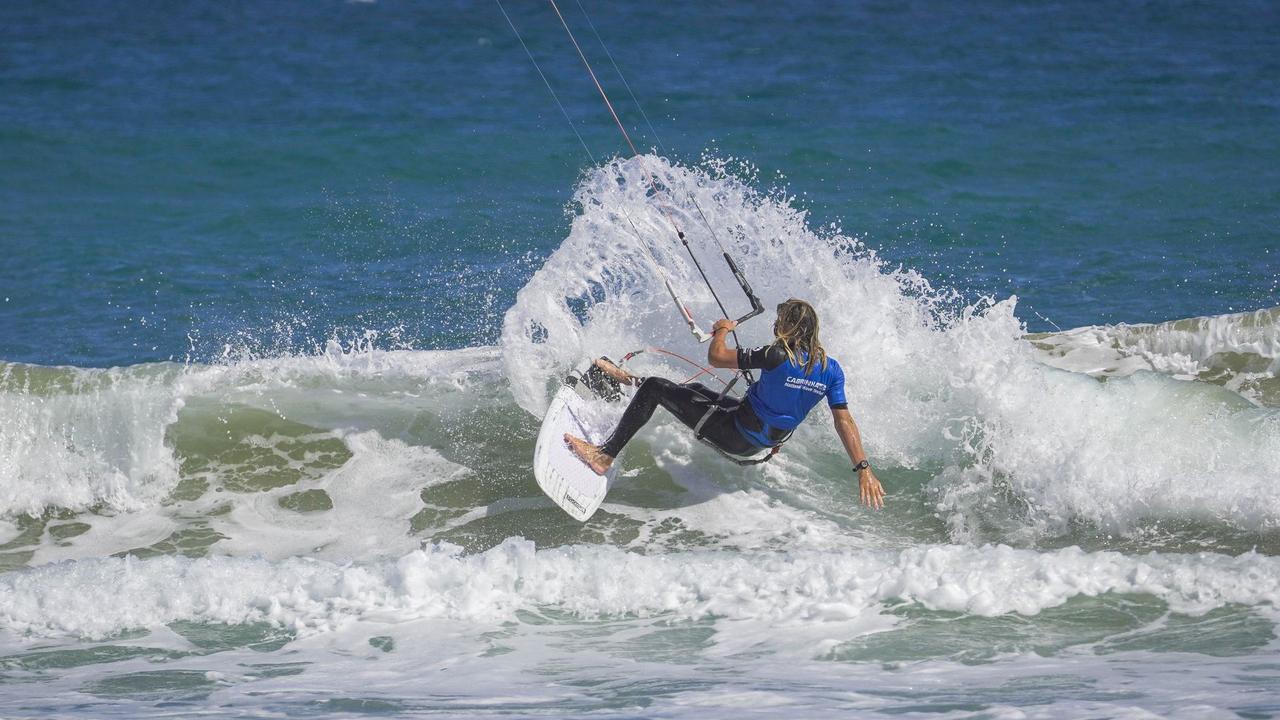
[{"x": 689, "y": 403}]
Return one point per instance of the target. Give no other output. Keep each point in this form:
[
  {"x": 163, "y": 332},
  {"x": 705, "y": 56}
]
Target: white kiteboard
[{"x": 586, "y": 405}]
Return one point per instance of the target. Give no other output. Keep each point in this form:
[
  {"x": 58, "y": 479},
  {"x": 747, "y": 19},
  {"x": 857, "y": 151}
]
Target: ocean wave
[
  {"x": 1240, "y": 352},
  {"x": 1018, "y": 449},
  {"x": 1014, "y": 449},
  {"x": 100, "y": 597},
  {"x": 116, "y": 439},
  {"x": 75, "y": 438}
]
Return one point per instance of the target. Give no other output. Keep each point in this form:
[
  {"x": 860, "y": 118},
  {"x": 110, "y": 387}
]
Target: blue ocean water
[
  {"x": 217, "y": 169},
  {"x": 284, "y": 286}
]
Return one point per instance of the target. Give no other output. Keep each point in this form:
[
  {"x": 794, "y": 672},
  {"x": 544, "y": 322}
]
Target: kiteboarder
[{"x": 796, "y": 373}]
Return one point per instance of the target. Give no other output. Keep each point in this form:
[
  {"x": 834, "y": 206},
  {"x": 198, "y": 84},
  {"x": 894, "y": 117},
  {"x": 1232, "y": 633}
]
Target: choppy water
[{"x": 289, "y": 285}]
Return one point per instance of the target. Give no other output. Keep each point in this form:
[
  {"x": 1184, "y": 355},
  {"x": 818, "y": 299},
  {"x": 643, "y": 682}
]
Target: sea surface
[{"x": 285, "y": 287}]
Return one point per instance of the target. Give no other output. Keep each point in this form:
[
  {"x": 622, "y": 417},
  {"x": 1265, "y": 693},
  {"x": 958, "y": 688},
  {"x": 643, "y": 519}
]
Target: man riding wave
[{"x": 796, "y": 373}]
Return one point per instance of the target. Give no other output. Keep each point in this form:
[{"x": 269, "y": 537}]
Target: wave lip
[
  {"x": 951, "y": 390},
  {"x": 1240, "y": 351},
  {"x": 86, "y": 438},
  {"x": 77, "y": 438},
  {"x": 1017, "y": 435},
  {"x": 96, "y": 598}
]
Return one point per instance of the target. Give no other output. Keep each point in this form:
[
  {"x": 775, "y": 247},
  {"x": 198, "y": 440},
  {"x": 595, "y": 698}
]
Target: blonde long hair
[{"x": 796, "y": 330}]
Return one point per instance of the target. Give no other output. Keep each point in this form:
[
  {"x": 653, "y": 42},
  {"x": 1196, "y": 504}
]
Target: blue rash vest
[{"x": 779, "y": 401}]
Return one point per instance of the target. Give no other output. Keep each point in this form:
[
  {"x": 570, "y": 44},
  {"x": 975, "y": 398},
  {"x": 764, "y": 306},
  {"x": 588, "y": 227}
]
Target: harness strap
[
  {"x": 714, "y": 406},
  {"x": 747, "y": 461},
  {"x": 697, "y": 429}
]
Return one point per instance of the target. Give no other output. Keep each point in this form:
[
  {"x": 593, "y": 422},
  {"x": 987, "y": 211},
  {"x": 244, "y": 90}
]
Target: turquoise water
[
  {"x": 286, "y": 285},
  {"x": 214, "y": 170}
]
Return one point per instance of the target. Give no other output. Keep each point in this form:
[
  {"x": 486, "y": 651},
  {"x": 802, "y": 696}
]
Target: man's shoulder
[
  {"x": 765, "y": 357},
  {"x": 774, "y": 353},
  {"x": 833, "y": 366}
]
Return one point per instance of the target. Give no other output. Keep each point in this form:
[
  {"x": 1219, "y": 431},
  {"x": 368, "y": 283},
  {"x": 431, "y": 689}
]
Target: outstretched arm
[{"x": 870, "y": 492}]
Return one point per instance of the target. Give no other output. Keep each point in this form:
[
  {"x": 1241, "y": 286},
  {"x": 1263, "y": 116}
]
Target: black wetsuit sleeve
[{"x": 766, "y": 357}]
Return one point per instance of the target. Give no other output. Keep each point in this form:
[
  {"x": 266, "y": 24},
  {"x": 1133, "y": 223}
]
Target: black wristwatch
[{"x": 863, "y": 465}]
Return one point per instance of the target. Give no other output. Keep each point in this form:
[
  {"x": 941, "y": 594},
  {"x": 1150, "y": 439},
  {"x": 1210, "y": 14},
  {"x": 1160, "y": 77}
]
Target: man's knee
[{"x": 654, "y": 384}]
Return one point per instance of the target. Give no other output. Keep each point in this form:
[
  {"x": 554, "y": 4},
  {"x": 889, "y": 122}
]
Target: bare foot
[
  {"x": 592, "y": 456},
  {"x": 615, "y": 372}
]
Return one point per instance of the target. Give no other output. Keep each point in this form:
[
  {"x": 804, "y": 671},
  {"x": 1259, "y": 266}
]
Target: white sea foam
[
  {"x": 622, "y": 668},
  {"x": 78, "y": 439},
  {"x": 1240, "y": 352},
  {"x": 931, "y": 385},
  {"x": 8, "y": 531},
  {"x": 374, "y": 495},
  {"x": 95, "y": 598},
  {"x": 954, "y": 390},
  {"x": 1179, "y": 347}
]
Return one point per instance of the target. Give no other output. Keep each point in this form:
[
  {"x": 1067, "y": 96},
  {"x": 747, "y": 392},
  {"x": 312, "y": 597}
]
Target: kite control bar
[{"x": 756, "y": 306}]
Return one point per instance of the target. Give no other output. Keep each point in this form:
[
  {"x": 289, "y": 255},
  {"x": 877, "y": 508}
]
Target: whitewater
[{"x": 1079, "y": 523}]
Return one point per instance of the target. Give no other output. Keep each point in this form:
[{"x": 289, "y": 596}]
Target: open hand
[{"x": 869, "y": 490}]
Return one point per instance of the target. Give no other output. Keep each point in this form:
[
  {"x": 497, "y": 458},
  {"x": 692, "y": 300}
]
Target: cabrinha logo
[{"x": 812, "y": 386}]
